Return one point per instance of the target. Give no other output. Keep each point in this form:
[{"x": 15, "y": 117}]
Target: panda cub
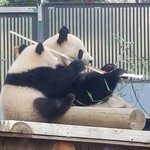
[{"x": 36, "y": 89}]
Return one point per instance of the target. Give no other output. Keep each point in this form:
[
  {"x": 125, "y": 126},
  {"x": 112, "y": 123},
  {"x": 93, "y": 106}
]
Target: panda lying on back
[{"x": 36, "y": 89}]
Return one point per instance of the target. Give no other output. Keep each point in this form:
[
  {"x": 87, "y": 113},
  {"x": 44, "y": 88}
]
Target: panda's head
[
  {"x": 33, "y": 56},
  {"x": 68, "y": 45}
]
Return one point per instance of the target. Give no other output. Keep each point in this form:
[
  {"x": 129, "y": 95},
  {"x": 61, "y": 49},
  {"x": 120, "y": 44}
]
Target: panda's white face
[
  {"x": 30, "y": 59},
  {"x": 73, "y": 47}
]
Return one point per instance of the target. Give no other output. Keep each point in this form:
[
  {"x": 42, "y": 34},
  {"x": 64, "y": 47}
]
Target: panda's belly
[{"x": 17, "y": 103}]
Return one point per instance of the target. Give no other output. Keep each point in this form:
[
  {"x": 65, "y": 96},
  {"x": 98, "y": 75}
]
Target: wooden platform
[{"x": 20, "y": 135}]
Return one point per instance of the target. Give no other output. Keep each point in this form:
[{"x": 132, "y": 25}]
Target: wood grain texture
[{"x": 124, "y": 118}]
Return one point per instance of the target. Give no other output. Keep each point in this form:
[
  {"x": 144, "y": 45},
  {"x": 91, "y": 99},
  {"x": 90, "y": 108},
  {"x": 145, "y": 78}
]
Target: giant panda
[
  {"x": 69, "y": 45},
  {"x": 91, "y": 87},
  {"x": 35, "y": 88}
]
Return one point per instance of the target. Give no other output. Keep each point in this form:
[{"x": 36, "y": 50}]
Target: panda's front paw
[
  {"x": 109, "y": 67},
  {"x": 77, "y": 65},
  {"x": 119, "y": 72}
]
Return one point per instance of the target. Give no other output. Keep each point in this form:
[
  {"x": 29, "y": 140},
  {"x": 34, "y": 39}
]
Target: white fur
[
  {"x": 69, "y": 48},
  {"x": 17, "y": 101},
  {"x": 28, "y": 59}
]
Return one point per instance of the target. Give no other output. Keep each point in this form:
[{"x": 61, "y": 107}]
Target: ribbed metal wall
[
  {"x": 24, "y": 24},
  {"x": 98, "y": 25}
]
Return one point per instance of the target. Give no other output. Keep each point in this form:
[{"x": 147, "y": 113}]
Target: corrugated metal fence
[
  {"x": 115, "y": 33},
  {"x": 100, "y": 25},
  {"x": 20, "y": 20}
]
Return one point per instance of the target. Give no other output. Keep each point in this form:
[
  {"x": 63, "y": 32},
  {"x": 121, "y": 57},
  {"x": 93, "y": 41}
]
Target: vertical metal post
[{"x": 40, "y": 31}]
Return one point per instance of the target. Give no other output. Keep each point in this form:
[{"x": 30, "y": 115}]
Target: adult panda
[
  {"x": 91, "y": 87},
  {"x": 35, "y": 89},
  {"x": 69, "y": 45}
]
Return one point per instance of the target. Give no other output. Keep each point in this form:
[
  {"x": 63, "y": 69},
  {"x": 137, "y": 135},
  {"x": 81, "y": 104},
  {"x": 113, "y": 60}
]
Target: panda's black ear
[
  {"x": 21, "y": 48},
  {"x": 63, "y": 33},
  {"x": 65, "y": 28},
  {"x": 40, "y": 48}
]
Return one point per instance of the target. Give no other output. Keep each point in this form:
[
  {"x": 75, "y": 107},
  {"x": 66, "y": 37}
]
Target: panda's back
[{"x": 20, "y": 102}]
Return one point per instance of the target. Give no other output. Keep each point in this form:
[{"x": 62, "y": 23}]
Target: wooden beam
[{"x": 75, "y": 133}]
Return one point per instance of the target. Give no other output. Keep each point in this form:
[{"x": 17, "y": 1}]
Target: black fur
[
  {"x": 21, "y": 48},
  {"x": 55, "y": 84},
  {"x": 39, "y": 49},
  {"x": 50, "y": 109},
  {"x": 109, "y": 67},
  {"x": 63, "y": 33},
  {"x": 80, "y": 54},
  {"x": 65, "y": 28},
  {"x": 147, "y": 125},
  {"x": 99, "y": 86},
  {"x": 51, "y": 82}
]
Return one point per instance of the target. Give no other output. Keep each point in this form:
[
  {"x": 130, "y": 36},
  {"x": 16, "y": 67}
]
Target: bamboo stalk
[
  {"x": 89, "y": 67},
  {"x": 33, "y": 42}
]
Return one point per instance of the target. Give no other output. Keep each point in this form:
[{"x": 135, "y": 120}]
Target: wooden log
[{"x": 125, "y": 118}]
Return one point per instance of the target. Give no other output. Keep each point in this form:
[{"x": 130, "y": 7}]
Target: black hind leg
[{"x": 54, "y": 107}]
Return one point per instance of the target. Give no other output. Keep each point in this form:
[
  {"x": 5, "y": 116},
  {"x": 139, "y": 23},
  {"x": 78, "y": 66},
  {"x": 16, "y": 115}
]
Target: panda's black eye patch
[{"x": 80, "y": 54}]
